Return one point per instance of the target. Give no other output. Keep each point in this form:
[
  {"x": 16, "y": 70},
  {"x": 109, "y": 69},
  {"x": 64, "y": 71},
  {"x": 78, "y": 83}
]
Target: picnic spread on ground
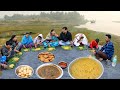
[
  {"x": 43, "y": 56},
  {"x": 34, "y": 62}
]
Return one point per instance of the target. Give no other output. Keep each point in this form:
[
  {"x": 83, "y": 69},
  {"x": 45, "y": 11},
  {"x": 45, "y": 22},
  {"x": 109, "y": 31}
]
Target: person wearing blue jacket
[
  {"x": 27, "y": 42},
  {"x": 107, "y": 51}
]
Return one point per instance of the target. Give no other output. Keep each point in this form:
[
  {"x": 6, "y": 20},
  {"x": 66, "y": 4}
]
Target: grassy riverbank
[
  {"x": 93, "y": 35},
  {"x": 7, "y": 30}
]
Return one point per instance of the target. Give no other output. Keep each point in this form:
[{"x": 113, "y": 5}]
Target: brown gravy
[{"x": 49, "y": 72}]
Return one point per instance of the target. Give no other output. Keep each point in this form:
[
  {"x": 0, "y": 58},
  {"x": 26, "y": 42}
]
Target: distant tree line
[{"x": 65, "y": 17}]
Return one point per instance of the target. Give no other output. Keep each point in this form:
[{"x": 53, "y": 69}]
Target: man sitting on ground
[
  {"x": 7, "y": 51},
  {"x": 65, "y": 37},
  {"x": 107, "y": 51}
]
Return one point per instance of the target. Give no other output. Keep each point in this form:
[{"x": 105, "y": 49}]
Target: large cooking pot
[{"x": 87, "y": 58}]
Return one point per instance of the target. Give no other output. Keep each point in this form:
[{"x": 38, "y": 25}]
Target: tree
[
  {"x": 64, "y": 17},
  {"x": 6, "y": 17}
]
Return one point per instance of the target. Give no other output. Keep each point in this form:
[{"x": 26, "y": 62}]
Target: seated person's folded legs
[
  {"x": 20, "y": 47},
  {"x": 97, "y": 55},
  {"x": 55, "y": 44},
  {"x": 30, "y": 45},
  {"x": 62, "y": 43},
  {"x": 27, "y": 46},
  {"x": 45, "y": 44},
  {"x": 67, "y": 43},
  {"x": 100, "y": 54}
]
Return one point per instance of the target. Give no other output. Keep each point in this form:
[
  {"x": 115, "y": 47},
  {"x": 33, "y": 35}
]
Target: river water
[{"x": 103, "y": 26}]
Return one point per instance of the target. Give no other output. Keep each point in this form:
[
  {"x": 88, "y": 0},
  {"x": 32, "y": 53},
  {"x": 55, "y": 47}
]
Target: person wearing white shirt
[
  {"x": 38, "y": 40},
  {"x": 80, "y": 40}
]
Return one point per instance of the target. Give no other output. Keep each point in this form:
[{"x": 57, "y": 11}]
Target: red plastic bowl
[{"x": 62, "y": 64}]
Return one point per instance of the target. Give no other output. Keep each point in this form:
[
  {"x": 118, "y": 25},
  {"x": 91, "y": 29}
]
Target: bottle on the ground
[{"x": 114, "y": 61}]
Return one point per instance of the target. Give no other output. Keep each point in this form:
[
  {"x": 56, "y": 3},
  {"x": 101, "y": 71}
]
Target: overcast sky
[{"x": 97, "y": 15}]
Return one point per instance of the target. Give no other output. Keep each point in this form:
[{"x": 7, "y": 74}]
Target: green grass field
[{"x": 7, "y": 30}]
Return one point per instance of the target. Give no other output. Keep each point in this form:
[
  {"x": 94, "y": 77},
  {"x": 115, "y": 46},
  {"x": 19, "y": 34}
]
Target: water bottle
[{"x": 114, "y": 61}]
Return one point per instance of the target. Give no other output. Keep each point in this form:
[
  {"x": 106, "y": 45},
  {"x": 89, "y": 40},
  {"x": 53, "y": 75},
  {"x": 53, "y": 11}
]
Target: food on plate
[
  {"x": 46, "y": 57},
  {"x": 24, "y": 71},
  {"x": 49, "y": 72},
  {"x": 36, "y": 49},
  {"x": 85, "y": 68},
  {"x": 26, "y": 50},
  {"x": 51, "y": 49},
  {"x": 81, "y": 48},
  {"x": 66, "y": 47},
  {"x": 16, "y": 59},
  {"x": 11, "y": 66},
  {"x": 20, "y": 53},
  {"x": 92, "y": 51}
]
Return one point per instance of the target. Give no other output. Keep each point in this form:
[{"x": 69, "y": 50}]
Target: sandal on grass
[{"x": 100, "y": 59}]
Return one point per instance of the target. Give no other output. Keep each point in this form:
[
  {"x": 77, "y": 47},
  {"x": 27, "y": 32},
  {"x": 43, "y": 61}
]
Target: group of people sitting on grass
[{"x": 12, "y": 46}]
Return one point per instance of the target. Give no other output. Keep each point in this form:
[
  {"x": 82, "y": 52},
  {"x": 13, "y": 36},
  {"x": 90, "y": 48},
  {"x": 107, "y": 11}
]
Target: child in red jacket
[{"x": 94, "y": 44}]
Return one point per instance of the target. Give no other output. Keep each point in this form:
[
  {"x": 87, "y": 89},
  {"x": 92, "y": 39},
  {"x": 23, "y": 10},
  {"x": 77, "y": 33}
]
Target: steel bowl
[
  {"x": 22, "y": 66},
  {"x": 86, "y": 57},
  {"x": 46, "y": 64}
]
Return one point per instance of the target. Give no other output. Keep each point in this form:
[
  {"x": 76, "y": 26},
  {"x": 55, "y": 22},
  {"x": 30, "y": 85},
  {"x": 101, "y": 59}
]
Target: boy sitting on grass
[
  {"x": 94, "y": 44},
  {"x": 7, "y": 51}
]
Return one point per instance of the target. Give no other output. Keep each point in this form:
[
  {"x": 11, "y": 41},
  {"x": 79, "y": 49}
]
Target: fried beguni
[{"x": 46, "y": 57}]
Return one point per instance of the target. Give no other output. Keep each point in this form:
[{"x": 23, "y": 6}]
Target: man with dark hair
[
  {"x": 107, "y": 51},
  {"x": 64, "y": 28},
  {"x": 65, "y": 37},
  {"x": 7, "y": 51},
  {"x": 108, "y": 35}
]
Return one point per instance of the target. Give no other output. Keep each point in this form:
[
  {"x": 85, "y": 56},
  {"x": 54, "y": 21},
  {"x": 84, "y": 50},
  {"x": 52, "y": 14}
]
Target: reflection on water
[{"x": 103, "y": 26}]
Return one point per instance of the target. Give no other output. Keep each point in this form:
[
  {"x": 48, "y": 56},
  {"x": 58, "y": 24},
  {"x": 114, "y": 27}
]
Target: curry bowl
[
  {"x": 85, "y": 68},
  {"x": 49, "y": 71}
]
